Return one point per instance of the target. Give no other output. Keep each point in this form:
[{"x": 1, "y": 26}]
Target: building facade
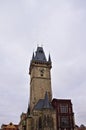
[
  {"x": 9, "y": 126},
  {"x": 45, "y": 113},
  {"x": 64, "y": 114}
]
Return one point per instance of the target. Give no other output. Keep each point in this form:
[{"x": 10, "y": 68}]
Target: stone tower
[
  {"x": 45, "y": 113},
  {"x": 40, "y": 77},
  {"x": 40, "y": 114}
]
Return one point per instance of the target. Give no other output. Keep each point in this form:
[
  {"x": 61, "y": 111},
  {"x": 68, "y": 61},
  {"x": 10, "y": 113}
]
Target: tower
[
  {"x": 40, "y": 77},
  {"x": 44, "y": 113}
]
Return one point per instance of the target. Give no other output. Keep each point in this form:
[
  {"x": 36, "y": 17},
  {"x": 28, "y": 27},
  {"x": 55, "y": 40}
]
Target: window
[
  {"x": 64, "y": 108},
  {"x": 64, "y": 121}
]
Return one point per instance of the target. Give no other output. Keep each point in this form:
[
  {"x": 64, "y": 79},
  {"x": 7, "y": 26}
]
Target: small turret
[
  {"x": 40, "y": 80},
  {"x": 33, "y": 56},
  {"x": 49, "y": 59}
]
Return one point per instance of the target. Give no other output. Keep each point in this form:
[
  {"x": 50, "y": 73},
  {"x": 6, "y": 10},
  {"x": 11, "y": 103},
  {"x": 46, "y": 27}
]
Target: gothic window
[{"x": 63, "y": 108}]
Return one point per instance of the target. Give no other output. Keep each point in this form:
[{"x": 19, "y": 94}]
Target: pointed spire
[
  {"x": 49, "y": 58},
  {"x": 40, "y": 55},
  {"x": 28, "y": 110},
  {"x": 46, "y": 101},
  {"x": 43, "y": 103},
  {"x": 33, "y": 56}
]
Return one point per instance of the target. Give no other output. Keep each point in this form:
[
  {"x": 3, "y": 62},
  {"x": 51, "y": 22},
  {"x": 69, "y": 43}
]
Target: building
[
  {"x": 45, "y": 113},
  {"x": 81, "y": 127},
  {"x": 64, "y": 114},
  {"x": 9, "y": 126}
]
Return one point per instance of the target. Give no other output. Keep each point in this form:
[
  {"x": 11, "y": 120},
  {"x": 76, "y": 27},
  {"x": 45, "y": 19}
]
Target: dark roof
[
  {"x": 46, "y": 101},
  {"x": 40, "y": 58},
  {"x": 62, "y": 100},
  {"x": 39, "y": 55},
  {"x": 49, "y": 59},
  {"x": 39, "y": 104},
  {"x": 43, "y": 103}
]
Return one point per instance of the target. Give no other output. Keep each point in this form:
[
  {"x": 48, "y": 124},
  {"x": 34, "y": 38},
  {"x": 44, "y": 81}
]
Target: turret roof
[
  {"x": 43, "y": 103},
  {"x": 39, "y": 55},
  {"x": 39, "y": 58}
]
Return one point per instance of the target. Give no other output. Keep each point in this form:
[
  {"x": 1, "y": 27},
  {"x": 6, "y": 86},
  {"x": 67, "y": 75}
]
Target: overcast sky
[{"x": 60, "y": 27}]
